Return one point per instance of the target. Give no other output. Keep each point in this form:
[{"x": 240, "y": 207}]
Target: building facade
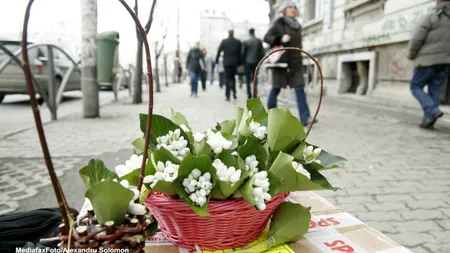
[{"x": 362, "y": 44}]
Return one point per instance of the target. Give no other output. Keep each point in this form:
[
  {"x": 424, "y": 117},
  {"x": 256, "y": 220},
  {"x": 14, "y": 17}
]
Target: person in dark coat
[
  {"x": 231, "y": 48},
  {"x": 204, "y": 74},
  {"x": 429, "y": 49},
  {"x": 195, "y": 64},
  {"x": 286, "y": 31},
  {"x": 252, "y": 53}
]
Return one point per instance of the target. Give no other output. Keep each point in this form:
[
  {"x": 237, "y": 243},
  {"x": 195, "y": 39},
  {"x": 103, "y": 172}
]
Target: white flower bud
[
  {"x": 254, "y": 164},
  {"x": 149, "y": 179},
  {"x": 159, "y": 176},
  {"x": 202, "y": 192},
  {"x": 190, "y": 177},
  {"x": 169, "y": 169},
  {"x": 196, "y": 173},
  {"x": 258, "y": 191},
  {"x": 236, "y": 176},
  {"x": 193, "y": 197},
  {"x": 198, "y": 137},
  {"x": 185, "y": 128},
  {"x": 267, "y": 196},
  {"x": 125, "y": 183},
  {"x": 177, "y": 133},
  {"x": 191, "y": 188},
  {"x": 137, "y": 209},
  {"x": 201, "y": 179},
  {"x": 227, "y": 144},
  {"x": 193, "y": 182},
  {"x": 207, "y": 176},
  {"x": 261, "y": 175},
  {"x": 261, "y": 206}
]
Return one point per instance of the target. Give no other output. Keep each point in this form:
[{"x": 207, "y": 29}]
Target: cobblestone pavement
[{"x": 396, "y": 178}]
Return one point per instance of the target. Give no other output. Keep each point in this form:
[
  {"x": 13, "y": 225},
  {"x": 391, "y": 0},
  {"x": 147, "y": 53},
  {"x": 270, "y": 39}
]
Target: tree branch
[
  {"x": 150, "y": 18},
  {"x": 158, "y": 54}
]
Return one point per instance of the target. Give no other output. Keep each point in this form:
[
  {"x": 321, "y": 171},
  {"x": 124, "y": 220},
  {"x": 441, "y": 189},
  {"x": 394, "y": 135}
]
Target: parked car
[{"x": 12, "y": 78}]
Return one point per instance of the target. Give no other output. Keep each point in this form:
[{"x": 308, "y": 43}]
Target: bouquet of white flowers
[{"x": 254, "y": 158}]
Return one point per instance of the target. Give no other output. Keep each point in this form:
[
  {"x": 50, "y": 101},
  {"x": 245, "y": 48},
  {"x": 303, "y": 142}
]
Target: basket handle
[
  {"x": 255, "y": 77},
  {"x": 62, "y": 202}
]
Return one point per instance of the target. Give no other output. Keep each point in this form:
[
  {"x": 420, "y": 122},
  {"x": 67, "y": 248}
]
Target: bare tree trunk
[
  {"x": 89, "y": 85},
  {"x": 158, "y": 87},
  {"x": 137, "y": 94},
  {"x": 165, "y": 69}
]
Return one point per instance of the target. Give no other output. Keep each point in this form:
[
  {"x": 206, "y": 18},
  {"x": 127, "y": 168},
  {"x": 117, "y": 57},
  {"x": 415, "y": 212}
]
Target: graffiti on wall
[
  {"x": 376, "y": 39},
  {"x": 404, "y": 21},
  {"x": 399, "y": 67}
]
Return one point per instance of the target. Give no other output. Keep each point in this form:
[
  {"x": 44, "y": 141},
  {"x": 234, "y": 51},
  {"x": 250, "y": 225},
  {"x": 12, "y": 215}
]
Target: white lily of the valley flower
[
  {"x": 198, "y": 186},
  {"x": 164, "y": 172},
  {"x": 137, "y": 209},
  {"x": 251, "y": 164},
  {"x": 185, "y": 128},
  {"x": 132, "y": 188},
  {"x": 235, "y": 153},
  {"x": 198, "y": 137},
  {"x": 310, "y": 154},
  {"x": 134, "y": 163},
  {"x": 217, "y": 142},
  {"x": 299, "y": 168},
  {"x": 260, "y": 190},
  {"x": 226, "y": 174},
  {"x": 174, "y": 143},
  {"x": 258, "y": 130}
]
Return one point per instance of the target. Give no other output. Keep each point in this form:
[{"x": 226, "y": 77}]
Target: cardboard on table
[{"x": 331, "y": 230}]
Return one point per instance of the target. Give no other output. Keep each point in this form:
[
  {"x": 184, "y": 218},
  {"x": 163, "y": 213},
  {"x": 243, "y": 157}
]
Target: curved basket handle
[
  {"x": 62, "y": 202},
  {"x": 255, "y": 77}
]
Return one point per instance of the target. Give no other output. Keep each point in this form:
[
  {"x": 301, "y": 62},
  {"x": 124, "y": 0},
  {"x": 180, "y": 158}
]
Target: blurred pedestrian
[
  {"x": 231, "y": 48},
  {"x": 195, "y": 64},
  {"x": 204, "y": 74},
  {"x": 221, "y": 71},
  {"x": 252, "y": 53},
  {"x": 429, "y": 49},
  {"x": 287, "y": 32}
]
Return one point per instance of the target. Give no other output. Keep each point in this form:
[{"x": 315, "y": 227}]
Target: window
[{"x": 314, "y": 10}]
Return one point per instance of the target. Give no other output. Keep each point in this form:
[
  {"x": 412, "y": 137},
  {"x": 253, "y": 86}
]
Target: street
[
  {"x": 396, "y": 177},
  {"x": 15, "y": 110}
]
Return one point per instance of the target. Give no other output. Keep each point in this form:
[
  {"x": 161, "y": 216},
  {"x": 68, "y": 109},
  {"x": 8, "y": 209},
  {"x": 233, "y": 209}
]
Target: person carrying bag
[{"x": 286, "y": 66}]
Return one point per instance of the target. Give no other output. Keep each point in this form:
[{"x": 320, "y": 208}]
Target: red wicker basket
[{"x": 231, "y": 224}]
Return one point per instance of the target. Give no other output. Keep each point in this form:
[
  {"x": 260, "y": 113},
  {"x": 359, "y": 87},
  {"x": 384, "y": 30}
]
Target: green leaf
[
  {"x": 216, "y": 194},
  {"x": 253, "y": 147},
  {"x": 275, "y": 184},
  {"x": 179, "y": 118},
  {"x": 289, "y": 222},
  {"x": 244, "y": 126},
  {"x": 160, "y": 127},
  {"x": 259, "y": 113},
  {"x": 298, "y": 151},
  {"x": 228, "y": 159},
  {"x": 284, "y": 130},
  {"x": 226, "y": 126},
  {"x": 152, "y": 228},
  {"x": 282, "y": 168},
  {"x": 239, "y": 114},
  {"x": 139, "y": 144},
  {"x": 226, "y": 188},
  {"x": 110, "y": 201},
  {"x": 319, "y": 181},
  {"x": 94, "y": 172},
  {"x": 291, "y": 180},
  {"x": 329, "y": 161},
  {"x": 202, "y": 148},
  {"x": 189, "y": 163}
]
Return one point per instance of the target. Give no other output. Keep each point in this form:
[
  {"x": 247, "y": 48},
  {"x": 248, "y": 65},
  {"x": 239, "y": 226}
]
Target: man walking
[
  {"x": 252, "y": 53},
  {"x": 195, "y": 64},
  {"x": 429, "y": 49},
  {"x": 231, "y": 49}
]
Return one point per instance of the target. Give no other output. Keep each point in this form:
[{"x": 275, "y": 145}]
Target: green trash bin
[{"x": 107, "y": 43}]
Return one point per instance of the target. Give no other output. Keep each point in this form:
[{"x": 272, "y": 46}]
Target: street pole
[
  {"x": 89, "y": 84},
  {"x": 177, "y": 55}
]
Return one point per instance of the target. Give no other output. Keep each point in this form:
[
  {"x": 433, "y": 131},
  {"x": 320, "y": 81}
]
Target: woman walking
[
  {"x": 196, "y": 65},
  {"x": 287, "y": 32}
]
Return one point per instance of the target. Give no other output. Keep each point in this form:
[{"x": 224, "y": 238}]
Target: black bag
[{"x": 19, "y": 229}]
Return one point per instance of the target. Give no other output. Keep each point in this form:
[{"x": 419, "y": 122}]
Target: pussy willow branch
[
  {"x": 62, "y": 203},
  {"x": 255, "y": 78},
  {"x": 150, "y": 93}
]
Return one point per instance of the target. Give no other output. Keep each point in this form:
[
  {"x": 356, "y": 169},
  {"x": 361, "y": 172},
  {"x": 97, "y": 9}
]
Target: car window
[{"x": 11, "y": 47}]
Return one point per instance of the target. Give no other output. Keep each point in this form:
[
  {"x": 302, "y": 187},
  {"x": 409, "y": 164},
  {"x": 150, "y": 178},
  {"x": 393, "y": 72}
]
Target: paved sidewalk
[{"x": 396, "y": 178}]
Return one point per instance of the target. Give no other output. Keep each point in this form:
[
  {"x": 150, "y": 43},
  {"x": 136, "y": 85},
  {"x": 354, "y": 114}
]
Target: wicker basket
[{"x": 231, "y": 224}]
